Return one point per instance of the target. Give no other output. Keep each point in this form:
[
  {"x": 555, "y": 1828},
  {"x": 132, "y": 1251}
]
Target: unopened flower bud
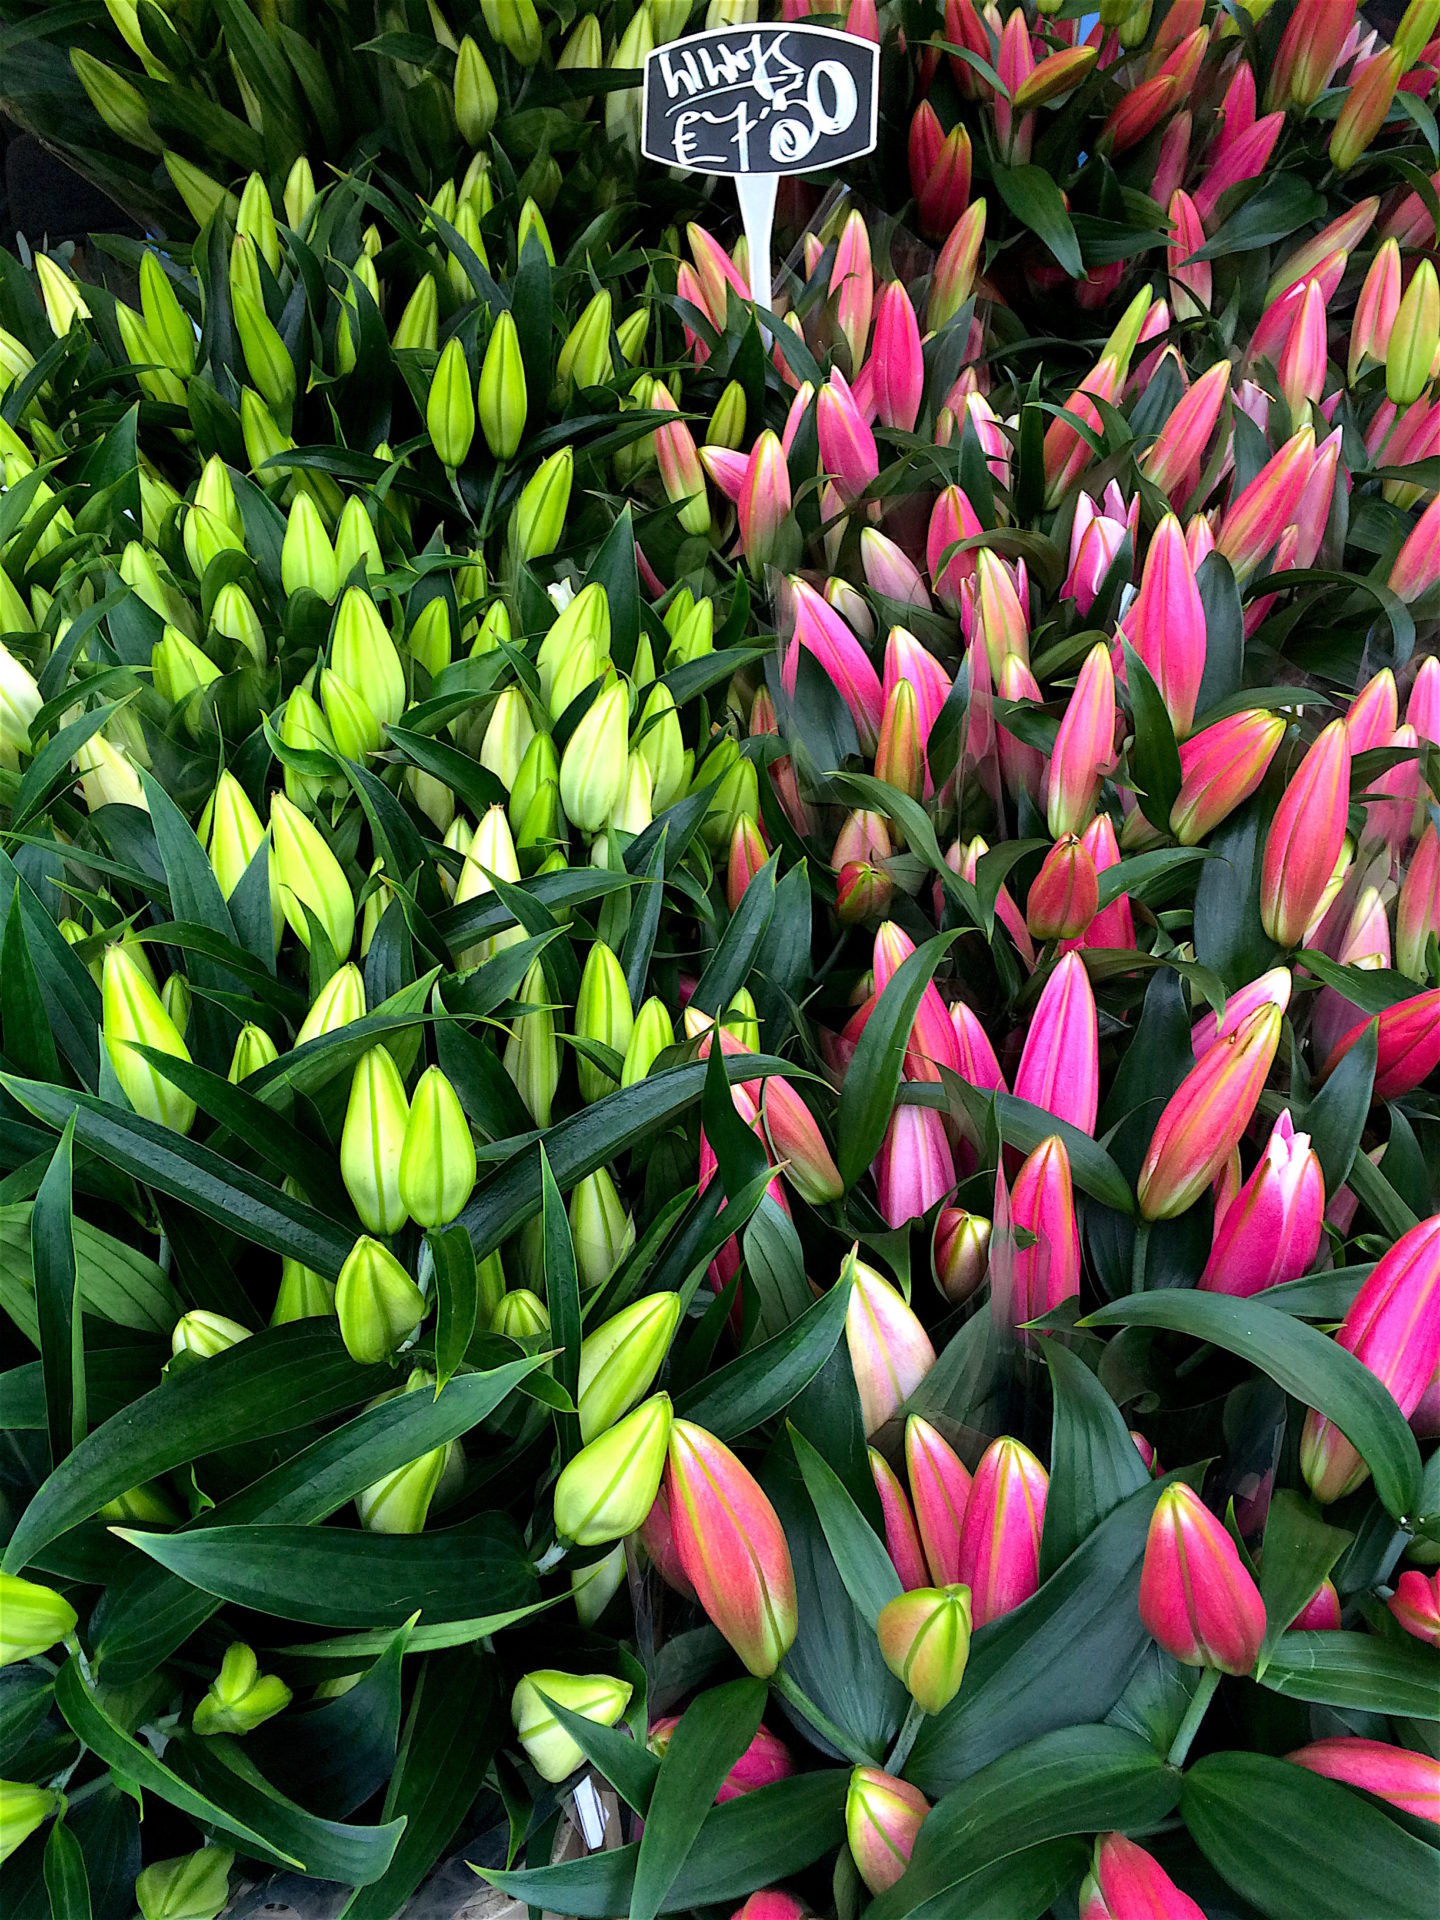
[
  {"x": 196, "y": 1886},
  {"x": 602, "y": 1231},
  {"x": 339, "y": 1003},
  {"x": 373, "y": 1141},
  {"x": 550, "y": 1750},
  {"x": 610, "y": 1485},
  {"x": 883, "y": 1817},
  {"x": 924, "y": 1639},
  {"x": 132, "y": 1015},
  {"x": 603, "y": 1014},
  {"x": 303, "y": 1294},
  {"x": 652, "y": 1032},
  {"x": 378, "y": 1304},
  {"x": 593, "y": 765},
  {"x": 1196, "y": 1598},
  {"x": 538, "y": 518},
  {"x": 310, "y": 877},
  {"x": 503, "y": 405},
  {"x": 520, "y": 1315},
  {"x": 620, "y": 1359},
  {"x": 584, "y": 359},
  {"x": 450, "y": 406},
  {"x": 33, "y": 1618},
  {"x": 476, "y": 101},
  {"x": 204, "y": 1334},
  {"x": 437, "y": 1161},
  {"x": 532, "y": 1057},
  {"x": 240, "y": 1697}
]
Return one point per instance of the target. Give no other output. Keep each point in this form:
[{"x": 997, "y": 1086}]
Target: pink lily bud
[
  {"x": 961, "y": 1252},
  {"x": 1375, "y": 310},
  {"x": 1042, "y": 1202},
  {"x": 1305, "y": 838},
  {"x": 1255, "y": 520},
  {"x": 864, "y": 836},
  {"x": 932, "y": 1042},
  {"x": 717, "y": 272},
  {"x": 1060, "y": 1066},
  {"x": 852, "y": 285},
  {"x": 1112, "y": 926},
  {"x": 908, "y": 662},
  {"x": 1272, "y": 329},
  {"x": 862, "y": 21},
  {"x": 1393, "y": 1328},
  {"x": 821, "y": 631},
  {"x": 727, "y": 471},
  {"x": 688, "y": 288},
  {"x": 1408, "y": 1780},
  {"x": 900, "y": 751},
  {"x": 1190, "y": 280},
  {"x": 763, "y": 505},
  {"x": 1014, "y": 63},
  {"x": 1137, "y": 113},
  {"x": 922, "y": 146},
  {"x": 1367, "y": 101},
  {"x": 978, "y": 1065},
  {"x": 1309, "y": 51},
  {"x": 1342, "y": 235},
  {"x": 952, "y": 519},
  {"x": 1320, "y": 1613},
  {"x": 1270, "y": 1231},
  {"x": 1064, "y": 896},
  {"x": 1417, "y": 911},
  {"x": 1066, "y": 455},
  {"x": 1417, "y": 565},
  {"x": 914, "y": 1168},
  {"x": 766, "y": 1760},
  {"x": 862, "y": 891},
  {"x": 902, "y": 1542},
  {"x": 847, "y": 446},
  {"x": 1220, "y": 767},
  {"x": 953, "y": 277},
  {"x": 1126, "y": 1883},
  {"x": 964, "y": 28},
  {"x": 944, "y": 193},
  {"x": 657, "y": 1536},
  {"x": 1245, "y": 158},
  {"x": 1373, "y": 713},
  {"x": 1205, "y": 1117},
  {"x": 1174, "y": 461},
  {"x": 798, "y": 1144},
  {"x": 890, "y": 1352},
  {"x": 1022, "y": 767},
  {"x": 1237, "y": 112},
  {"x": 999, "y": 1552},
  {"x": 1415, "y": 1603},
  {"x": 771, "y": 1904},
  {"x": 1412, "y": 223},
  {"x": 1196, "y": 1597},
  {"x": 940, "y": 1488},
  {"x": 1004, "y": 623},
  {"x": 748, "y": 854},
  {"x": 1422, "y": 709},
  {"x": 1095, "y": 539},
  {"x": 1409, "y": 1041},
  {"x": 890, "y": 572},
  {"x": 883, "y": 1817},
  {"x": 678, "y": 459},
  {"x": 1173, "y": 159},
  {"x": 1302, "y": 359},
  {"x": 732, "y": 1547},
  {"x": 1391, "y": 812},
  {"x": 1272, "y": 989},
  {"x": 1166, "y": 623},
  {"x": 899, "y": 371},
  {"x": 1084, "y": 750},
  {"x": 799, "y": 407}
]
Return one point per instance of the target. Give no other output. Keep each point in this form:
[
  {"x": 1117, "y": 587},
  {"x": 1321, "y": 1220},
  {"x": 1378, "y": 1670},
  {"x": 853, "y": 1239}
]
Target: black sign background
[{"x": 761, "y": 99}]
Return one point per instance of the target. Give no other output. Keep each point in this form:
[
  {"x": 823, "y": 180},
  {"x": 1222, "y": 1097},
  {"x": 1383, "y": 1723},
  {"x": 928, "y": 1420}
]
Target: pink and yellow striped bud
[
  {"x": 1375, "y": 310},
  {"x": 914, "y": 1168},
  {"x": 1014, "y": 63},
  {"x": 1095, "y": 539},
  {"x": 1058, "y": 73},
  {"x": 1126, "y": 1883},
  {"x": 1000, "y": 611},
  {"x": 1191, "y": 281},
  {"x": 1270, "y": 1232},
  {"x": 1220, "y": 768},
  {"x": 1137, "y": 113},
  {"x": 763, "y": 503},
  {"x": 1301, "y": 365},
  {"x": 943, "y": 195},
  {"x": 1368, "y": 99},
  {"x": 940, "y": 1489},
  {"x": 1084, "y": 748},
  {"x": 952, "y": 519},
  {"x": 847, "y": 445},
  {"x": 902, "y": 1542},
  {"x": 1113, "y": 925},
  {"x": 1306, "y": 837},
  {"x": 883, "y": 1817},
  {"x": 1257, "y": 517},
  {"x": 820, "y": 630},
  {"x": 999, "y": 1551},
  {"x": 678, "y": 459},
  {"x": 1060, "y": 1065},
  {"x": 1047, "y": 1272},
  {"x": 1272, "y": 989},
  {"x": 1374, "y": 713},
  {"x": 924, "y": 1640},
  {"x": 890, "y": 572},
  {"x": 1244, "y": 158},
  {"x": 890, "y": 1352},
  {"x": 748, "y": 854},
  {"x": 1205, "y": 1117},
  {"x": 1408, "y": 1039},
  {"x": 1417, "y": 911},
  {"x": 1166, "y": 623},
  {"x": 717, "y": 272},
  {"x": 1416, "y": 570},
  {"x": 731, "y": 1547},
  {"x": 932, "y": 1042},
  {"x": 1022, "y": 767},
  {"x": 1415, "y": 1605},
  {"x": 961, "y": 1252},
  {"x": 1173, "y": 463},
  {"x": 1406, "y": 1779},
  {"x": 1196, "y": 1597},
  {"x": 1064, "y": 896},
  {"x": 852, "y": 285},
  {"x": 1341, "y": 236},
  {"x": 798, "y": 1144},
  {"x": 1414, "y": 337},
  {"x": 1309, "y": 51},
  {"x": 1066, "y": 454},
  {"x": 953, "y": 278}
]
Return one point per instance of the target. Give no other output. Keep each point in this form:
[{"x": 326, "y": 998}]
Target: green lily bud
[
  {"x": 373, "y": 1139},
  {"x": 339, "y": 1003},
  {"x": 508, "y": 737},
  {"x": 303, "y": 1294},
  {"x": 521, "y": 1315},
  {"x": 601, "y": 1229},
  {"x": 299, "y": 192},
  {"x": 532, "y": 222},
  {"x": 737, "y": 795},
  {"x": 727, "y": 422},
  {"x": 19, "y": 702},
  {"x": 924, "y": 1639},
  {"x": 419, "y": 324},
  {"x": 539, "y": 768},
  {"x": 181, "y": 671},
  {"x": 379, "y": 1306},
  {"x": 450, "y": 408},
  {"x": 307, "y": 558},
  {"x": 550, "y": 1750},
  {"x": 494, "y": 627},
  {"x": 458, "y": 836},
  {"x": 542, "y": 822},
  {"x": 264, "y": 438},
  {"x": 585, "y": 49},
  {"x": 213, "y": 524},
  {"x": 432, "y": 796},
  {"x": 602, "y": 1013},
  {"x": 195, "y": 1886},
  {"x": 515, "y": 24},
  {"x": 233, "y": 616},
  {"x": 620, "y": 1359},
  {"x": 445, "y": 200},
  {"x": 147, "y": 357},
  {"x": 175, "y": 998},
  {"x": 658, "y": 740},
  {"x": 355, "y": 728},
  {"x": 147, "y": 1506},
  {"x": 593, "y": 1588},
  {"x": 476, "y": 101},
  {"x": 584, "y": 622},
  {"x": 303, "y": 725},
  {"x": 160, "y": 504},
  {"x": 355, "y": 542},
  {"x": 140, "y": 574},
  {"x": 240, "y": 1698},
  {"x": 651, "y": 1034},
  {"x": 267, "y": 358},
  {"x": 503, "y": 402},
  {"x": 532, "y": 1057},
  {"x": 610, "y": 1486},
  {"x": 119, "y": 105},
  {"x": 694, "y": 636},
  {"x": 107, "y": 778},
  {"x": 16, "y": 361},
  {"x": 64, "y": 302},
  {"x": 23, "y": 1809},
  {"x": 492, "y": 851},
  {"x": 622, "y": 108},
  {"x": 373, "y": 905},
  {"x": 32, "y": 1618},
  {"x": 400, "y": 1503},
  {"x": 254, "y": 1049},
  {"x": 132, "y": 1015},
  {"x": 311, "y": 878},
  {"x": 430, "y": 639},
  {"x": 203, "y": 196},
  {"x": 631, "y": 333},
  {"x": 166, "y": 321},
  {"x": 582, "y": 666},
  {"x": 592, "y": 767},
  {"x": 204, "y": 1334},
  {"x": 477, "y": 190},
  {"x": 467, "y": 225},
  {"x": 256, "y": 221},
  {"x": 742, "y": 1018},
  {"x": 634, "y": 810},
  {"x": 537, "y": 519},
  {"x": 585, "y": 357},
  {"x": 245, "y": 270},
  {"x": 437, "y": 1161}
]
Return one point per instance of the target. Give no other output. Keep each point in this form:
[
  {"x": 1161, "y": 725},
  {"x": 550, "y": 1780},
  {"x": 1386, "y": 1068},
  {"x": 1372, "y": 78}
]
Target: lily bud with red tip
[
  {"x": 1060, "y": 1065},
  {"x": 1301, "y": 365},
  {"x": 1196, "y": 1597},
  {"x": 1066, "y": 454},
  {"x": 1137, "y": 113},
  {"x": 1245, "y": 158},
  {"x": 763, "y": 504},
  {"x": 1084, "y": 749},
  {"x": 1393, "y": 1328},
  {"x": 847, "y": 444},
  {"x": 1113, "y": 925},
  {"x": 820, "y": 630},
  {"x": 1042, "y": 1203},
  {"x": 1367, "y": 102},
  {"x": 1374, "y": 713},
  {"x": 1255, "y": 520},
  {"x": 766, "y": 1760},
  {"x": 678, "y": 459},
  {"x": 1064, "y": 896},
  {"x": 770, "y": 1905},
  {"x": 852, "y": 280},
  {"x": 1174, "y": 461},
  {"x": 731, "y": 1546},
  {"x": 1000, "y": 607},
  {"x": 798, "y": 1144},
  {"x": 657, "y": 1536},
  {"x": 1305, "y": 838},
  {"x": 890, "y": 1352},
  {"x": 999, "y": 1552},
  {"x": 961, "y": 1251},
  {"x": 908, "y": 661},
  {"x": 1190, "y": 280},
  {"x": 953, "y": 278},
  {"x": 1415, "y": 1603},
  {"x": 902, "y": 1542},
  {"x": 952, "y": 519},
  {"x": 883, "y": 1817},
  {"x": 1406, "y": 1779},
  {"x": 1375, "y": 310},
  {"x": 943, "y": 194},
  {"x": 900, "y": 750},
  {"x": 1204, "y": 1118},
  {"x": 1095, "y": 540},
  {"x": 1409, "y": 1041},
  {"x": 1126, "y": 1883},
  {"x": 1320, "y": 1613},
  {"x": 1270, "y": 1232},
  {"x": 914, "y": 1168}
]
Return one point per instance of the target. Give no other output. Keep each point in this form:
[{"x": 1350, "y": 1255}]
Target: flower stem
[
  {"x": 905, "y": 1739},
  {"x": 790, "y": 1690},
  {"x": 1194, "y": 1714},
  {"x": 1137, "y": 1258}
]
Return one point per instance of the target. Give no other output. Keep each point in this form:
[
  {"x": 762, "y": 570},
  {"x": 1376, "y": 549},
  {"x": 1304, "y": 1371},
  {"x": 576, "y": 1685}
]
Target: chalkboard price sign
[{"x": 761, "y": 100}]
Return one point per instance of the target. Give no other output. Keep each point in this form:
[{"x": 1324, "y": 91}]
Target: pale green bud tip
[
  {"x": 373, "y": 1140},
  {"x": 240, "y": 1698},
  {"x": 22, "y": 1810},
  {"x": 205, "y": 1334},
  {"x": 608, "y": 1488},
  {"x": 132, "y": 1016},
  {"x": 32, "y": 1618},
  {"x": 619, "y": 1359},
  {"x": 378, "y": 1304},
  {"x": 520, "y": 1315},
  {"x": 437, "y": 1161},
  {"x": 595, "y": 1696},
  {"x": 193, "y": 1887}
]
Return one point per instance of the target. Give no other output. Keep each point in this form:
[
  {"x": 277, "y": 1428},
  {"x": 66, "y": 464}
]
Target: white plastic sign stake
[{"x": 759, "y": 102}]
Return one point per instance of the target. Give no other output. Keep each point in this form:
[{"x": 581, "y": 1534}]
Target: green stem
[
  {"x": 790, "y": 1690},
  {"x": 1137, "y": 1258},
  {"x": 1194, "y": 1714},
  {"x": 905, "y": 1739}
]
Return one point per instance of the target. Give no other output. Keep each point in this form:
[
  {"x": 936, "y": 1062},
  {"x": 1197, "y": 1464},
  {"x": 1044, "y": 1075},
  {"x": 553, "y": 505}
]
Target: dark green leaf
[
  {"x": 1335, "y": 1118},
  {"x": 562, "y": 1295},
  {"x": 1298, "y": 1554},
  {"x": 28, "y": 1040},
  {"x": 457, "y": 1298},
  {"x": 757, "y": 1387},
  {"x": 334, "y": 1756},
  {"x": 865, "y": 1567},
  {"x": 57, "y": 1302},
  {"x": 1154, "y": 757},
  {"x": 1279, "y": 206},
  {"x": 872, "y": 1078},
  {"x": 629, "y": 1767},
  {"x": 1036, "y": 201},
  {"x": 66, "y": 1881},
  {"x": 731, "y": 961},
  {"x": 1357, "y": 1672},
  {"x": 1094, "y": 1464},
  {"x": 713, "y": 1733}
]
